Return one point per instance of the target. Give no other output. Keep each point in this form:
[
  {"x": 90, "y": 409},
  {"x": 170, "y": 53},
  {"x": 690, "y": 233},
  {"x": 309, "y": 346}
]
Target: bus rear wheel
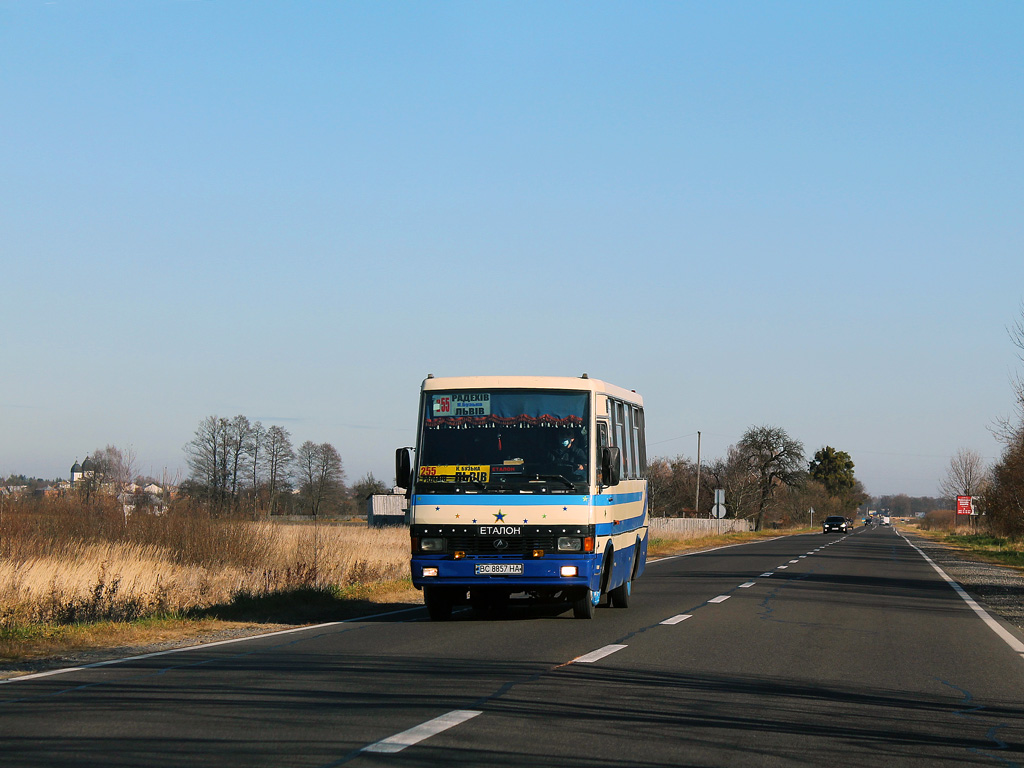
[
  {"x": 439, "y": 603},
  {"x": 584, "y": 605}
]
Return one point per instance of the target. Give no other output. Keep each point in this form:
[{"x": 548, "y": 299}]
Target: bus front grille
[{"x": 498, "y": 546}]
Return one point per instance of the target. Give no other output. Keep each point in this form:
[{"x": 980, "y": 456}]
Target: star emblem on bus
[{"x": 499, "y": 516}]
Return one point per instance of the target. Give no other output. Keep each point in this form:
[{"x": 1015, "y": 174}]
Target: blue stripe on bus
[
  {"x": 529, "y": 499},
  {"x": 622, "y": 526},
  {"x": 502, "y": 499},
  {"x": 612, "y": 499}
]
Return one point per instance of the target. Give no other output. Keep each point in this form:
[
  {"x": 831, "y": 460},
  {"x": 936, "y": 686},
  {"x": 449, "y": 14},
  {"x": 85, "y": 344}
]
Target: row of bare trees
[
  {"x": 1003, "y": 493},
  {"x": 765, "y": 478},
  {"x": 241, "y": 466},
  {"x": 998, "y": 489}
]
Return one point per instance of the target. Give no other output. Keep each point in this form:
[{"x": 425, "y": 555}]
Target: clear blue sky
[{"x": 807, "y": 215}]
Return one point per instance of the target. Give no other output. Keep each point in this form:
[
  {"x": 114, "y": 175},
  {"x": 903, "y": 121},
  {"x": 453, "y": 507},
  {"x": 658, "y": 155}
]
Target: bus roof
[{"x": 531, "y": 382}]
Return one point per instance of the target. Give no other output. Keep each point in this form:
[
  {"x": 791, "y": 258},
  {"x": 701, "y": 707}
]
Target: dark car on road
[{"x": 835, "y": 523}]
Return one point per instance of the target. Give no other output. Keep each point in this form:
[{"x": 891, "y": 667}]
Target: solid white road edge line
[
  {"x": 678, "y": 618},
  {"x": 400, "y": 741},
  {"x": 198, "y": 646},
  {"x": 995, "y": 626},
  {"x": 600, "y": 653}
]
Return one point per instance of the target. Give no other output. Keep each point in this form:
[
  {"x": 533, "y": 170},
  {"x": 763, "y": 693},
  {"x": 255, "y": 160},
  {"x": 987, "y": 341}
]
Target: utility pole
[{"x": 696, "y": 503}]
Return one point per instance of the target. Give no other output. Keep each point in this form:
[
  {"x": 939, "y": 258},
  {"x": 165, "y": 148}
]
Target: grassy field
[
  {"x": 75, "y": 578},
  {"x": 80, "y": 577}
]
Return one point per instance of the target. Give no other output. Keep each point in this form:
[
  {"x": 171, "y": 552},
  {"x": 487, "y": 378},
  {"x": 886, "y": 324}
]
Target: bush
[{"x": 938, "y": 520}]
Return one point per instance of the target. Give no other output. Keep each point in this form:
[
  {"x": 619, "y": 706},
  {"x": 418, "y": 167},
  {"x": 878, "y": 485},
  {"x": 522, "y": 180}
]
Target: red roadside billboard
[{"x": 964, "y": 505}]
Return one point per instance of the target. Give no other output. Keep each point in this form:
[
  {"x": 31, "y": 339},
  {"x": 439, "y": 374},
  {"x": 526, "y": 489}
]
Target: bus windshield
[{"x": 505, "y": 440}]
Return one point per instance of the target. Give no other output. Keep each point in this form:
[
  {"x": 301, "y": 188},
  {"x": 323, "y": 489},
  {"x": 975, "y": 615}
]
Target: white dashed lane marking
[
  {"x": 597, "y": 655},
  {"x": 719, "y": 599},
  {"x": 678, "y": 618},
  {"x": 400, "y": 741},
  {"x": 748, "y": 584}
]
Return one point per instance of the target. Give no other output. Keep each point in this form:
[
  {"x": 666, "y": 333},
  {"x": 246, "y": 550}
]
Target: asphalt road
[{"x": 838, "y": 650}]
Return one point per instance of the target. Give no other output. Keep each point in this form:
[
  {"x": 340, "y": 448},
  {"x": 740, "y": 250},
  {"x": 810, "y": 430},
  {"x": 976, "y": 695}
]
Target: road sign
[
  {"x": 965, "y": 505},
  {"x": 718, "y": 511}
]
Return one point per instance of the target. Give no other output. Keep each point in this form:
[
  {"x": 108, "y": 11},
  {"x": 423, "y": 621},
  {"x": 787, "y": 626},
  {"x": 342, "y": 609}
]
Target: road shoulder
[{"x": 999, "y": 588}]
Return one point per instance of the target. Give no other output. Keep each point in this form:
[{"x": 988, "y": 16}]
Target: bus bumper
[{"x": 539, "y": 573}]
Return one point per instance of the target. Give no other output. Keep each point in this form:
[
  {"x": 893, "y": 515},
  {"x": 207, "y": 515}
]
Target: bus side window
[
  {"x": 642, "y": 442},
  {"x": 602, "y": 443},
  {"x": 631, "y": 441},
  {"x": 621, "y": 438}
]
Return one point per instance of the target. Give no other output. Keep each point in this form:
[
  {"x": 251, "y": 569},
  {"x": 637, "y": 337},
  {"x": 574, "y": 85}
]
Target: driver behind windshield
[{"x": 569, "y": 455}]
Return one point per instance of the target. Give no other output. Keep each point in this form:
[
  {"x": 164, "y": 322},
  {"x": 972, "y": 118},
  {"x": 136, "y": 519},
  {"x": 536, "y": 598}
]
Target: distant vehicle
[
  {"x": 835, "y": 523},
  {"x": 885, "y": 520}
]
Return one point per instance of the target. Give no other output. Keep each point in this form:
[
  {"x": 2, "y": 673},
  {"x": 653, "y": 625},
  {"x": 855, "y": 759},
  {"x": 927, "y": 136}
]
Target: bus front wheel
[
  {"x": 585, "y": 603},
  {"x": 439, "y": 603}
]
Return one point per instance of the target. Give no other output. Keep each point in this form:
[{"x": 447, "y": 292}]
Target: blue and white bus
[{"x": 526, "y": 485}]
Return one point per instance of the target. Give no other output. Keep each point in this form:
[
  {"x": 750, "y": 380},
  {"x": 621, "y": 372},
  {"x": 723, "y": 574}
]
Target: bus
[{"x": 526, "y": 485}]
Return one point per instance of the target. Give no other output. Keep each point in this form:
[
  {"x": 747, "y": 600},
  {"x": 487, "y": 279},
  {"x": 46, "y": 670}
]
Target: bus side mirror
[
  {"x": 611, "y": 462},
  {"x": 403, "y": 467}
]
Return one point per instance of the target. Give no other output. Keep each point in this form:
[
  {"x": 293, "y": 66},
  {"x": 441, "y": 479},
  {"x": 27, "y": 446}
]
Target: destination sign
[
  {"x": 456, "y": 473},
  {"x": 462, "y": 404}
]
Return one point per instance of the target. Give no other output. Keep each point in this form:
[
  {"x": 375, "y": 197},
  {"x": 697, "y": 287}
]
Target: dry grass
[
  {"x": 76, "y": 575},
  {"x": 123, "y": 581}
]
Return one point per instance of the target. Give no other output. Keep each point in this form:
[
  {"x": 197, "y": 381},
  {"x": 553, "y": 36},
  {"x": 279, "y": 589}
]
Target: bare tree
[
  {"x": 776, "y": 459},
  {"x": 116, "y": 467},
  {"x": 278, "y": 455},
  {"x": 320, "y": 475},
  {"x": 253, "y": 447},
  {"x": 236, "y": 435},
  {"x": 734, "y": 476},
  {"x": 207, "y": 457},
  {"x": 1010, "y": 429},
  {"x": 967, "y": 475}
]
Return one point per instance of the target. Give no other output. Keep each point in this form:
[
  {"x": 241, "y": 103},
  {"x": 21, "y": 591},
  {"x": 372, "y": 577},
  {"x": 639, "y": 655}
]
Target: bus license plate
[{"x": 499, "y": 569}]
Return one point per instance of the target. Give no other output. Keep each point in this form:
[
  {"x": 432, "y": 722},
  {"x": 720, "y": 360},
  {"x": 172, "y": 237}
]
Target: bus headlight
[
  {"x": 569, "y": 570},
  {"x": 570, "y": 544},
  {"x": 432, "y": 544},
  {"x": 430, "y": 570}
]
